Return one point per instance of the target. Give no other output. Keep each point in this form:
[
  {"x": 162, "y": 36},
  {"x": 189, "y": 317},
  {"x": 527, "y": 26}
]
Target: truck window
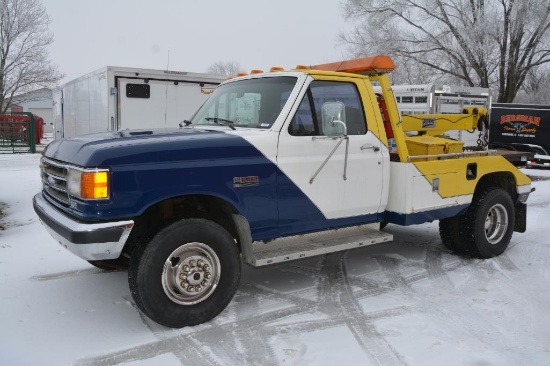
[
  {"x": 302, "y": 123},
  {"x": 308, "y": 118},
  {"x": 252, "y": 103}
]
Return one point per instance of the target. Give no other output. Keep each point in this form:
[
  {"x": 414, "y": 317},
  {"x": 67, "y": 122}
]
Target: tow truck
[{"x": 275, "y": 166}]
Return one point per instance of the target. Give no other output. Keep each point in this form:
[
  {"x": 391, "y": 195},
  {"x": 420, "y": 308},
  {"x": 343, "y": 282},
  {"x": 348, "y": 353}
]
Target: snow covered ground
[{"x": 409, "y": 302}]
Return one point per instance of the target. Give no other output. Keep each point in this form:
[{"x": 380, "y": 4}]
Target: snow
[{"x": 408, "y": 302}]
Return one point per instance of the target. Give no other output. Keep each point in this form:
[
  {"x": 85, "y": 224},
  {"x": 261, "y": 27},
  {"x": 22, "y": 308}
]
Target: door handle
[{"x": 374, "y": 148}]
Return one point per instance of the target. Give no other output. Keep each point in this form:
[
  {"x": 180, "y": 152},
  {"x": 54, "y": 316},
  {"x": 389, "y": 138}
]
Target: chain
[{"x": 483, "y": 137}]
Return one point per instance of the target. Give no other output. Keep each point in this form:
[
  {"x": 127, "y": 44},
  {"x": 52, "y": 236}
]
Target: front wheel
[
  {"x": 187, "y": 274},
  {"x": 487, "y": 227}
]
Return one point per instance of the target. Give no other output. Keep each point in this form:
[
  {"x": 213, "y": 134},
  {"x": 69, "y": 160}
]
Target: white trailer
[
  {"x": 441, "y": 99},
  {"x": 118, "y": 98}
]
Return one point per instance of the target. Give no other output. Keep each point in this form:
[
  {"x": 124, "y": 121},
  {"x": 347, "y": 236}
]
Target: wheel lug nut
[
  {"x": 186, "y": 268},
  {"x": 207, "y": 275},
  {"x": 206, "y": 267},
  {"x": 192, "y": 263},
  {"x": 198, "y": 288},
  {"x": 200, "y": 263},
  {"x": 204, "y": 283},
  {"x": 190, "y": 288}
]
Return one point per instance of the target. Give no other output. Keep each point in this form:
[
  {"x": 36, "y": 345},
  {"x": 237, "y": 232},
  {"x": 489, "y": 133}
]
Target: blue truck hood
[{"x": 146, "y": 146}]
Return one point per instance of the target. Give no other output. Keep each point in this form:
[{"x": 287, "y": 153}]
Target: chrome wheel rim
[
  {"x": 191, "y": 273},
  {"x": 496, "y": 224}
]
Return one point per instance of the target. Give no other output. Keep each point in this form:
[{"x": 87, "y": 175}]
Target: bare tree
[
  {"x": 488, "y": 43},
  {"x": 536, "y": 89},
  {"x": 224, "y": 68},
  {"x": 24, "y": 37}
]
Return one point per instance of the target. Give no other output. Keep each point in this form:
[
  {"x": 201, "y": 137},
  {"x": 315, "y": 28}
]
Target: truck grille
[{"x": 54, "y": 180}]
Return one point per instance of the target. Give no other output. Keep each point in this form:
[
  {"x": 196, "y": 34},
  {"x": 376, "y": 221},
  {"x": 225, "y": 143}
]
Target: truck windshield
[{"x": 252, "y": 103}]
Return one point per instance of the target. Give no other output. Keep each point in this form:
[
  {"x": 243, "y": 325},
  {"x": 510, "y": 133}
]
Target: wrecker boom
[{"x": 396, "y": 125}]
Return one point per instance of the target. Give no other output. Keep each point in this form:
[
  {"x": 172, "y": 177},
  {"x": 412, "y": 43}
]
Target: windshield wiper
[{"x": 223, "y": 121}]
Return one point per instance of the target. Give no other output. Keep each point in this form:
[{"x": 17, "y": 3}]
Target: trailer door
[
  {"x": 142, "y": 104},
  {"x": 57, "y": 113},
  {"x": 157, "y": 103},
  {"x": 183, "y": 100}
]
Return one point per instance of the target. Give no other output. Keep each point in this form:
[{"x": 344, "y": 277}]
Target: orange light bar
[
  {"x": 256, "y": 71},
  {"x": 277, "y": 68},
  {"x": 94, "y": 185},
  {"x": 242, "y": 74},
  {"x": 302, "y": 67},
  {"x": 369, "y": 65}
]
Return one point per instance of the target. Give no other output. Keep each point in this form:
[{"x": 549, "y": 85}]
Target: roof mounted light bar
[
  {"x": 374, "y": 65},
  {"x": 367, "y": 65}
]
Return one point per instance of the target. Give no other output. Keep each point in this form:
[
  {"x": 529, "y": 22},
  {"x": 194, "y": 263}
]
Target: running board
[{"x": 308, "y": 245}]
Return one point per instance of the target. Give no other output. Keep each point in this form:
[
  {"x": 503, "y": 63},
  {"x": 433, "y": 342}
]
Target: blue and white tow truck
[{"x": 275, "y": 166}]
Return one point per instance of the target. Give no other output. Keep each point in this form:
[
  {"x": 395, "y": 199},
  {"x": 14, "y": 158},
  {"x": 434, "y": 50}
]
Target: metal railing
[
  {"x": 452, "y": 155},
  {"x": 17, "y": 133}
]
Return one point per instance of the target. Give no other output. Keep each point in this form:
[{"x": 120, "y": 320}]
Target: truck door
[{"x": 347, "y": 185}]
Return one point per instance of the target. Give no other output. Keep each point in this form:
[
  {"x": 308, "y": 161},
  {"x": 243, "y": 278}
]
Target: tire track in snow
[
  {"x": 187, "y": 347},
  {"x": 69, "y": 274},
  {"x": 437, "y": 272},
  {"x": 169, "y": 341},
  {"x": 247, "y": 337},
  {"x": 255, "y": 351},
  {"x": 465, "y": 320},
  {"x": 364, "y": 331}
]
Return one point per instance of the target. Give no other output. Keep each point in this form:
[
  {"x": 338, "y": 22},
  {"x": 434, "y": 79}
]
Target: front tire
[{"x": 187, "y": 274}]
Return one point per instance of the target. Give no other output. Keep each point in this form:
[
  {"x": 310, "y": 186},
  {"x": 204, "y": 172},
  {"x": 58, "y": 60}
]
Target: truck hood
[{"x": 146, "y": 146}]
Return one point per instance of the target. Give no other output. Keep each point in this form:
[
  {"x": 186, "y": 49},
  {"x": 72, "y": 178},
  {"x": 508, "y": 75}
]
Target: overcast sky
[{"x": 136, "y": 33}]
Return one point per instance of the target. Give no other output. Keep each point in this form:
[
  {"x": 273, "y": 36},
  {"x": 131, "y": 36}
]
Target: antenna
[{"x": 168, "y": 64}]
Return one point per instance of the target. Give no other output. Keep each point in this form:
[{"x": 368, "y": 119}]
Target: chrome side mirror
[{"x": 333, "y": 117}]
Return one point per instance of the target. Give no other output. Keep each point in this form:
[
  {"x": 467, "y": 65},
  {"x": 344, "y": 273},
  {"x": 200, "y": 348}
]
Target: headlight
[{"x": 88, "y": 184}]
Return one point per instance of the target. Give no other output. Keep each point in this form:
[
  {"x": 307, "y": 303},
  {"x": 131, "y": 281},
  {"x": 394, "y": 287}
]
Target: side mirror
[{"x": 333, "y": 116}]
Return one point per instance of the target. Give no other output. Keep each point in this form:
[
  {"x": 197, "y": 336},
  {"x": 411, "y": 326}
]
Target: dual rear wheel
[{"x": 486, "y": 228}]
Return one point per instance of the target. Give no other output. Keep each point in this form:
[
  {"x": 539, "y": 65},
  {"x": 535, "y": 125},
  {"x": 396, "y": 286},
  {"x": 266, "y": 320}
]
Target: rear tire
[
  {"x": 187, "y": 274},
  {"x": 487, "y": 227},
  {"x": 449, "y": 231}
]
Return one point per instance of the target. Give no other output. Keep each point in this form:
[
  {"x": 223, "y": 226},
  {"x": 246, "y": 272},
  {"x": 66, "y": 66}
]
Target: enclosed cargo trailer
[{"x": 118, "y": 98}]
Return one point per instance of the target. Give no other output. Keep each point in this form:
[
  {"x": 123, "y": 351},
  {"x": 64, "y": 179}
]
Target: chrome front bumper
[{"x": 89, "y": 241}]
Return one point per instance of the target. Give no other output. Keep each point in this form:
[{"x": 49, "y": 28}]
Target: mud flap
[{"x": 521, "y": 217}]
